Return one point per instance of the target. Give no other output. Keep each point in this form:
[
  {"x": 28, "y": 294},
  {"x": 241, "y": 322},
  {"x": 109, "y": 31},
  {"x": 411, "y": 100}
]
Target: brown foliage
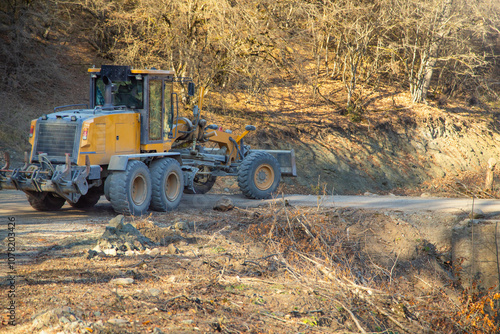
[{"x": 253, "y": 45}]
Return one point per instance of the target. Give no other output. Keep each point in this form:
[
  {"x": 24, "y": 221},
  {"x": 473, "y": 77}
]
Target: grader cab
[{"x": 131, "y": 144}]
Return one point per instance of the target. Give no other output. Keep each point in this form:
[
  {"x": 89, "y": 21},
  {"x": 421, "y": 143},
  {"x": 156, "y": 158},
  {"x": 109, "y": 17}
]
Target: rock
[
  {"x": 155, "y": 292},
  {"x": 92, "y": 253},
  {"x": 73, "y": 326},
  {"x": 110, "y": 251},
  {"x": 129, "y": 253},
  {"x": 118, "y": 322},
  {"x": 121, "y": 281},
  {"x": 171, "y": 249},
  {"x": 138, "y": 245},
  {"x": 127, "y": 246},
  {"x": 120, "y": 238},
  {"x": 425, "y": 195},
  {"x": 477, "y": 213},
  {"x": 65, "y": 309},
  {"x": 154, "y": 252},
  {"x": 224, "y": 204},
  {"x": 64, "y": 320},
  {"x": 97, "y": 313},
  {"x": 181, "y": 226},
  {"x": 117, "y": 222},
  {"x": 45, "y": 319},
  {"x": 157, "y": 331}
]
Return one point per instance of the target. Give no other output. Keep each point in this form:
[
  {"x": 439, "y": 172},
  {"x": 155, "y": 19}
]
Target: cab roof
[{"x": 135, "y": 71}]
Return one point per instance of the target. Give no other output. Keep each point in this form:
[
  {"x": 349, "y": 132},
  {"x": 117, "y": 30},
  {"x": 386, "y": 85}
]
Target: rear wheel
[
  {"x": 203, "y": 182},
  {"x": 168, "y": 183},
  {"x": 107, "y": 184},
  {"x": 45, "y": 201},
  {"x": 259, "y": 175},
  {"x": 88, "y": 200},
  {"x": 130, "y": 190}
]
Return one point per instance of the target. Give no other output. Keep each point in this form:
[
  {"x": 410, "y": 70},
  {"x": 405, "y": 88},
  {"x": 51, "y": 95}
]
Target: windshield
[{"x": 127, "y": 93}]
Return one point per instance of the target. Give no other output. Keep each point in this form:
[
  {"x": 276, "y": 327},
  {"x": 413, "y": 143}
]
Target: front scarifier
[{"x": 133, "y": 144}]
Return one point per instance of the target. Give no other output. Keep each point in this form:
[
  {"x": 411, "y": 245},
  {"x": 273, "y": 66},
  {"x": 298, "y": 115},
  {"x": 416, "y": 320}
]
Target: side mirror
[{"x": 191, "y": 89}]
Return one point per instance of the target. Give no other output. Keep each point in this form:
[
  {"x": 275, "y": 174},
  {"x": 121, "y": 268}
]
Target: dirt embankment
[
  {"x": 419, "y": 151},
  {"x": 394, "y": 145}
]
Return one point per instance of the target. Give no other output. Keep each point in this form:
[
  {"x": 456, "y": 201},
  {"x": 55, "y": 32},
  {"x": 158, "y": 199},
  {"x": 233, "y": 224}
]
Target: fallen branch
[{"x": 353, "y": 317}]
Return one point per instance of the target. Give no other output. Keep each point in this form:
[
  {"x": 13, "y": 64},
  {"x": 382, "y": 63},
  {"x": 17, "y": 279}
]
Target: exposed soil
[
  {"x": 276, "y": 269},
  {"x": 394, "y": 146}
]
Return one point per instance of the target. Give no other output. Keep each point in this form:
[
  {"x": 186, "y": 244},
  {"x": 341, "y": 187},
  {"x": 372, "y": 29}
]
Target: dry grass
[{"x": 273, "y": 269}]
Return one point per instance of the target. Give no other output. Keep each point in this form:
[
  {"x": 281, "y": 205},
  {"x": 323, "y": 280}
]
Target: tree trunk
[{"x": 428, "y": 65}]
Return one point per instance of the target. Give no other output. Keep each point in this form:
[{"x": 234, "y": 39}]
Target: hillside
[
  {"x": 348, "y": 139},
  {"x": 394, "y": 146},
  {"x": 286, "y": 67}
]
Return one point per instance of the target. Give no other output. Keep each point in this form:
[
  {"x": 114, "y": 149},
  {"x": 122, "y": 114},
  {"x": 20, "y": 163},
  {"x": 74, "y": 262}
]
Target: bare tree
[
  {"x": 429, "y": 56},
  {"x": 252, "y": 45},
  {"x": 353, "y": 28}
]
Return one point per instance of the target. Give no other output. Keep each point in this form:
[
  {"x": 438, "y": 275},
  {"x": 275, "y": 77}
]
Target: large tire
[
  {"x": 202, "y": 184},
  {"x": 259, "y": 175},
  {"x": 130, "y": 190},
  {"x": 45, "y": 201},
  {"x": 168, "y": 183},
  {"x": 107, "y": 184},
  {"x": 88, "y": 200}
]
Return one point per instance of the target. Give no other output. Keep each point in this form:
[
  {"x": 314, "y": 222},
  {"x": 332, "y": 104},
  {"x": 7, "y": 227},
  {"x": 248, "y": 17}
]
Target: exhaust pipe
[{"x": 108, "y": 92}]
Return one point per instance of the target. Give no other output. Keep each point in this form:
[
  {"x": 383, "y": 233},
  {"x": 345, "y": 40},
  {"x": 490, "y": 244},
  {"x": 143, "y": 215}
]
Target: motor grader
[{"x": 132, "y": 144}]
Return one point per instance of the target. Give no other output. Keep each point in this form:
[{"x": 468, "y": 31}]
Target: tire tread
[
  {"x": 119, "y": 190},
  {"x": 158, "y": 168},
  {"x": 245, "y": 175}
]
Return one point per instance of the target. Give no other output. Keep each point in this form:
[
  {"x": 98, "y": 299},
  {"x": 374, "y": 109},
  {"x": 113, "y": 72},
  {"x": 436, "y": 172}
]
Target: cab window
[
  {"x": 155, "y": 110},
  {"x": 127, "y": 93}
]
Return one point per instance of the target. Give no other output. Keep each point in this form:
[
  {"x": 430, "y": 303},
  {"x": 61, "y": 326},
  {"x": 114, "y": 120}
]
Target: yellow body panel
[
  {"x": 32, "y": 138},
  {"x": 108, "y": 135},
  {"x": 222, "y": 138}
]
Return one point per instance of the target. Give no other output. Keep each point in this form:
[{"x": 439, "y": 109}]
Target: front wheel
[
  {"x": 168, "y": 183},
  {"x": 130, "y": 190},
  {"x": 45, "y": 201},
  {"x": 259, "y": 175}
]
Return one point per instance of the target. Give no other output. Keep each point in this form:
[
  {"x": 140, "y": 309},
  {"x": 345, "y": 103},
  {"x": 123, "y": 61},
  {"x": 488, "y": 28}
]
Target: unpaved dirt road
[
  {"x": 14, "y": 203},
  {"x": 36, "y": 231}
]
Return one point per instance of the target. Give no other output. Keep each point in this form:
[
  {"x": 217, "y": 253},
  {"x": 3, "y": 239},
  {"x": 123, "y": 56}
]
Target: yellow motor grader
[{"x": 131, "y": 144}]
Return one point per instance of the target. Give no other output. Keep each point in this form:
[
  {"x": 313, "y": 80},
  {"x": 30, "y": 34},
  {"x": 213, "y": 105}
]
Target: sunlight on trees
[{"x": 445, "y": 47}]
